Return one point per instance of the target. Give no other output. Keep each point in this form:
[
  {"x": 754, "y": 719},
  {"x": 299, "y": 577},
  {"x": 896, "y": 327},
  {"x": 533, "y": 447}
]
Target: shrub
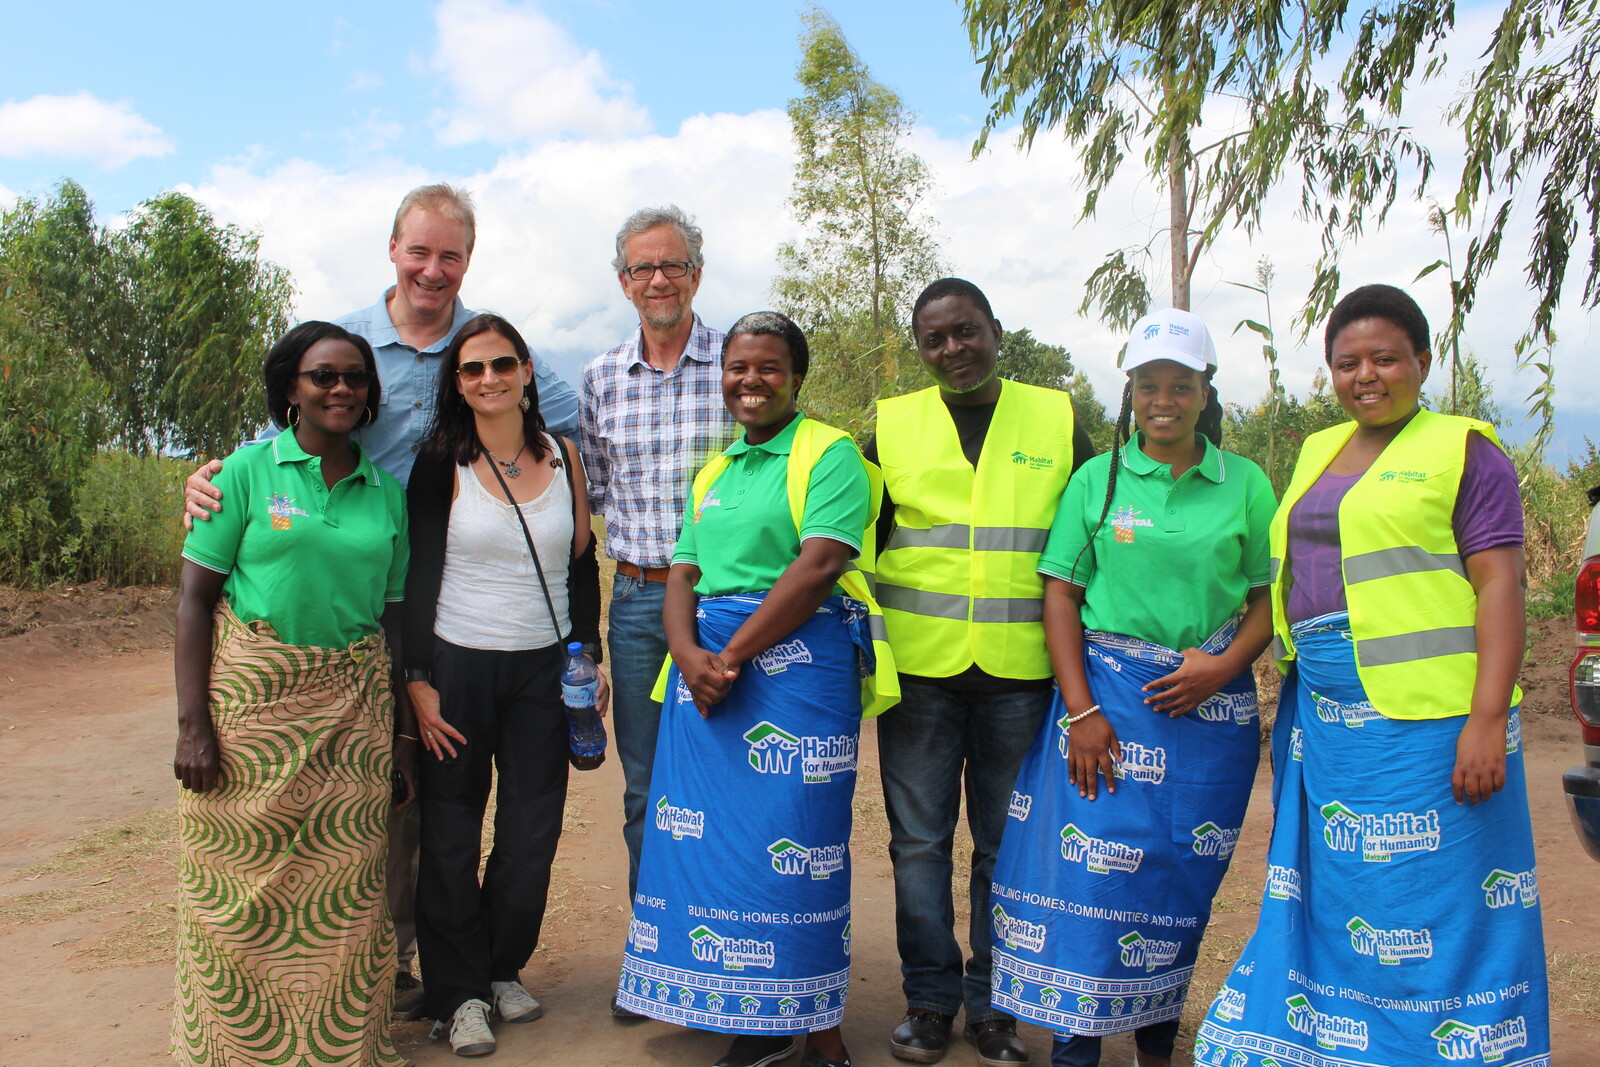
[{"x": 128, "y": 510}]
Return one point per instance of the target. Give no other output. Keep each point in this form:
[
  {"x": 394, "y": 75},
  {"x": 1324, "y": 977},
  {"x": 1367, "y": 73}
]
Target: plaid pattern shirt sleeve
[{"x": 644, "y": 433}]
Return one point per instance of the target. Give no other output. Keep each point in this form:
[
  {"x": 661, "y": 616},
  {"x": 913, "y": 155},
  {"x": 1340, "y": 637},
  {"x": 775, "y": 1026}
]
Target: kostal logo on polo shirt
[{"x": 282, "y": 509}]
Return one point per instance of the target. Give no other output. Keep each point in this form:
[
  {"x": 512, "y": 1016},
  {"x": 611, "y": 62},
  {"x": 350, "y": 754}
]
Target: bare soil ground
[{"x": 87, "y": 862}]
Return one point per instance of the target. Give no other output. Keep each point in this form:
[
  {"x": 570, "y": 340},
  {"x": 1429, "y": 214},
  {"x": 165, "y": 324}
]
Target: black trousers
[{"x": 508, "y": 706}]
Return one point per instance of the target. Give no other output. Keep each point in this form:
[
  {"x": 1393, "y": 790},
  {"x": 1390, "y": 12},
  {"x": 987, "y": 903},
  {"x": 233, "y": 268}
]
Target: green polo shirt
[
  {"x": 744, "y": 524},
  {"x": 317, "y": 563},
  {"x": 1174, "y": 559}
]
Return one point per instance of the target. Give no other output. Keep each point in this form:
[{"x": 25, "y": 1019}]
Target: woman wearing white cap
[{"x": 1155, "y": 607}]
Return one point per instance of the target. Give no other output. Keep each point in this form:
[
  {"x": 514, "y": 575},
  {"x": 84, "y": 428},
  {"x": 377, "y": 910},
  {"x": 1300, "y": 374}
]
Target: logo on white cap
[{"x": 1173, "y": 334}]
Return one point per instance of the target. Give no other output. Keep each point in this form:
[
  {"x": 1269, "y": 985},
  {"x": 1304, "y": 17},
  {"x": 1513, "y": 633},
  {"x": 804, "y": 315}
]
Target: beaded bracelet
[{"x": 1082, "y": 715}]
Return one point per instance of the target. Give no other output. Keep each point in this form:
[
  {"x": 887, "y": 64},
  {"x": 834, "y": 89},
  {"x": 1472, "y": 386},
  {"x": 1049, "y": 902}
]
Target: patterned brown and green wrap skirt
[{"x": 285, "y": 949}]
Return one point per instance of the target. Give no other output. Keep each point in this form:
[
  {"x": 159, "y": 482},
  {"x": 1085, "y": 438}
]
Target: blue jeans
[
  {"x": 927, "y": 745},
  {"x": 1082, "y": 1050},
  {"x": 636, "y": 646}
]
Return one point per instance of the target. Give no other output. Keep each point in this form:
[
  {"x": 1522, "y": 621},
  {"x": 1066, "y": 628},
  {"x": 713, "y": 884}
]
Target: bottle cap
[{"x": 575, "y": 648}]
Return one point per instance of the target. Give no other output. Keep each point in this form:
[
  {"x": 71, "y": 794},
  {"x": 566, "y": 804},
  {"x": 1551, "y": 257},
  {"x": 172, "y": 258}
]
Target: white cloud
[
  {"x": 516, "y": 74},
  {"x": 548, "y": 212},
  {"x": 80, "y": 126}
]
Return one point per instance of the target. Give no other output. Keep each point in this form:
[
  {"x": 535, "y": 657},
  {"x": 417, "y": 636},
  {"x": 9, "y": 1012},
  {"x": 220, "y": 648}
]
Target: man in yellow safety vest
[{"x": 973, "y": 468}]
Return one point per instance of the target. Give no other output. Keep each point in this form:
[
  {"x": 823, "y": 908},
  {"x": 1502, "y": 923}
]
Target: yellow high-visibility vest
[
  {"x": 880, "y": 691},
  {"x": 1413, "y": 612},
  {"x": 959, "y": 580}
]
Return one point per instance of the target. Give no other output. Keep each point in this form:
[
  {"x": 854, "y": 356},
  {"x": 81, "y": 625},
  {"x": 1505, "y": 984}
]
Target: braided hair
[{"x": 1209, "y": 424}]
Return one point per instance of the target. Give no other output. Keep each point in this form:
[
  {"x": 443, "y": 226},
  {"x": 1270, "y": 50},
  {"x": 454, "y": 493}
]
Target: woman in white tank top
[{"x": 484, "y": 649}]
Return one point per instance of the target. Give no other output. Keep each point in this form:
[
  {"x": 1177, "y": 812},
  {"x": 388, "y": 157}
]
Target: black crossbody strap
[{"x": 528, "y": 537}]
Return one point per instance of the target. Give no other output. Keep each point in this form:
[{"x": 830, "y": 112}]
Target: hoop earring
[
  {"x": 367, "y": 419},
  {"x": 294, "y": 415}
]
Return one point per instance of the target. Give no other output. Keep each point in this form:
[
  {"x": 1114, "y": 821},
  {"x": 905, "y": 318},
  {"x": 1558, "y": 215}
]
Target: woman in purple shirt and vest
[{"x": 1400, "y": 923}]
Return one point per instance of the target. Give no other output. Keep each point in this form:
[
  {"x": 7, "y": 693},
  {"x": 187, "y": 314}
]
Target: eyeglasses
[
  {"x": 473, "y": 369},
  {"x": 643, "y": 272},
  {"x": 326, "y": 377}
]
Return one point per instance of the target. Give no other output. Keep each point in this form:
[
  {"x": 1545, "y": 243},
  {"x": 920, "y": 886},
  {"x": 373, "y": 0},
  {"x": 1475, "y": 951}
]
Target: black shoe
[
  {"x": 408, "y": 998},
  {"x": 997, "y": 1043},
  {"x": 752, "y": 1050},
  {"x": 623, "y": 1015},
  {"x": 813, "y": 1058},
  {"x": 922, "y": 1036}
]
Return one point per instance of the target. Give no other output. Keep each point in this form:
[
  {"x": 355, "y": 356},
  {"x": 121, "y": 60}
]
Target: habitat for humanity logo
[
  {"x": 1239, "y": 707},
  {"x": 796, "y": 859},
  {"x": 1142, "y": 764},
  {"x": 771, "y": 749},
  {"x": 679, "y": 822},
  {"x": 1463, "y": 1041},
  {"x": 1329, "y": 1031},
  {"x": 1229, "y": 1004},
  {"x": 1380, "y": 837},
  {"x": 734, "y": 953},
  {"x": 1389, "y": 946},
  {"x": 1352, "y": 715},
  {"x": 1212, "y": 840},
  {"x": 780, "y": 657},
  {"x": 1283, "y": 883},
  {"x": 1140, "y": 951},
  {"x": 1021, "y": 804},
  {"x": 643, "y": 936},
  {"x": 1098, "y": 855},
  {"x": 1505, "y": 888},
  {"x": 1033, "y": 463},
  {"x": 1297, "y": 744},
  {"x": 1018, "y": 933}
]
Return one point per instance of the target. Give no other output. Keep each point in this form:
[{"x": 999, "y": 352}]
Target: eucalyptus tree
[
  {"x": 1220, "y": 99},
  {"x": 866, "y": 246}
]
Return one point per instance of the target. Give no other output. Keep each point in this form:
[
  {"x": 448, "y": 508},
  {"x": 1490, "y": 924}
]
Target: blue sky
[{"x": 308, "y": 121}]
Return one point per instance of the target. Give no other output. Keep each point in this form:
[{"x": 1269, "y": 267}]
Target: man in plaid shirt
[{"x": 651, "y": 415}]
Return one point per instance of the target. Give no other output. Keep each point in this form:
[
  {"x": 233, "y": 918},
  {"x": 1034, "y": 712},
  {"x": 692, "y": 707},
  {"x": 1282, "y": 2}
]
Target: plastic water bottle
[{"x": 586, "y": 734}]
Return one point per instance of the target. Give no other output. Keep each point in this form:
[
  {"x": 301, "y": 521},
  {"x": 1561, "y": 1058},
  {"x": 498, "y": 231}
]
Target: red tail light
[{"x": 1588, "y": 596}]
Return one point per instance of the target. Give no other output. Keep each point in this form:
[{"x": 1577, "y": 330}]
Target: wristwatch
[{"x": 419, "y": 674}]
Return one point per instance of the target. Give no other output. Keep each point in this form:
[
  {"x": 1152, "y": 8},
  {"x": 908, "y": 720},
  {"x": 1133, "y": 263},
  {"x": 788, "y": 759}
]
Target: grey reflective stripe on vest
[
  {"x": 986, "y": 539},
  {"x": 1007, "y": 609},
  {"x": 953, "y": 606},
  {"x": 1404, "y": 559},
  {"x": 921, "y": 602},
  {"x": 1275, "y": 565},
  {"x": 877, "y": 629},
  {"x": 1279, "y": 649},
  {"x": 1009, "y": 539},
  {"x": 950, "y": 535},
  {"x": 1424, "y": 644}
]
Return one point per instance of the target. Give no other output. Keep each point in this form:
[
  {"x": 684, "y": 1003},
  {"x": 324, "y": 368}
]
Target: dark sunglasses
[
  {"x": 503, "y": 366},
  {"x": 326, "y": 377}
]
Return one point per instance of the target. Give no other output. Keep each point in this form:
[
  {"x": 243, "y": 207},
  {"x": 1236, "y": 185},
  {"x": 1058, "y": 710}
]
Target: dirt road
[{"x": 87, "y": 863}]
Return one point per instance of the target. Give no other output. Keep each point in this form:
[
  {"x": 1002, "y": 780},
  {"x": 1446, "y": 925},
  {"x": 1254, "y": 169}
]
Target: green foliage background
[{"x": 120, "y": 347}]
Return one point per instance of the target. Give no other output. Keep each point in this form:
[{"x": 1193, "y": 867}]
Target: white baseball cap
[{"x": 1172, "y": 334}]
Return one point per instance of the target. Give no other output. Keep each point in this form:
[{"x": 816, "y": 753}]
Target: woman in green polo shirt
[
  {"x": 741, "y": 922},
  {"x": 1101, "y": 896},
  {"x": 287, "y": 733}
]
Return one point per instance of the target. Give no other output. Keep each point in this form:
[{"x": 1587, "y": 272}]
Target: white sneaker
[
  {"x": 514, "y": 1004},
  {"x": 469, "y": 1030}
]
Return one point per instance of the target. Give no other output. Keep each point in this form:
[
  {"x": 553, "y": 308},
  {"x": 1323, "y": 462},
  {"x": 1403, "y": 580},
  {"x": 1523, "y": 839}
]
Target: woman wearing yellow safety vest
[
  {"x": 741, "y": 922},
  {"x": 1400, "y": 923}
]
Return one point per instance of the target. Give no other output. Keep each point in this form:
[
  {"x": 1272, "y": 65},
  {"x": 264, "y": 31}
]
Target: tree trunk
[{"x": 1178, "y": 221}]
